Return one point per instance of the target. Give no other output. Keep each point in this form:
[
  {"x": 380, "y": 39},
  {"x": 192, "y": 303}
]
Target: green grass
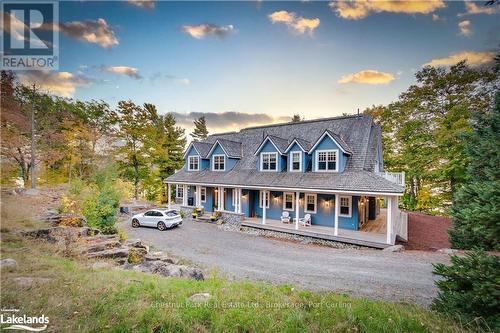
[{"x": 79, "y": 299}]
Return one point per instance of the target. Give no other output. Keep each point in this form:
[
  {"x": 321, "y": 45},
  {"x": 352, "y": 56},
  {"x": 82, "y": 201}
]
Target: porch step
[{"x": 205, "y": 218}]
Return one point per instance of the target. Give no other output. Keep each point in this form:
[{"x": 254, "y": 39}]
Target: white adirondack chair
[
  {"x": 306, "y": 220},
  {"x": 285, "y": 217}
]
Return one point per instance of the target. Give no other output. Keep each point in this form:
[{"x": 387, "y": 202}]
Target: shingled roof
[{"x": 358, "y": 134}]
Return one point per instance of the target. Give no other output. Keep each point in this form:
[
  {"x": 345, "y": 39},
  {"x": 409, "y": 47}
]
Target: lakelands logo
[
  {"x": 30, "y": 35},
  {"x": 16, "y": 321}
]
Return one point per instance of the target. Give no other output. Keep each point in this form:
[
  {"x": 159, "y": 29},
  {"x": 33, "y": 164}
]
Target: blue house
[{"x": 317, "y": 177}]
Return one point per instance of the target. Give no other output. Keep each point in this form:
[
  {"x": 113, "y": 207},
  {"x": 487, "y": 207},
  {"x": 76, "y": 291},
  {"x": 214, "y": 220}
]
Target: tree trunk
[{"x": 136, "y": 177}]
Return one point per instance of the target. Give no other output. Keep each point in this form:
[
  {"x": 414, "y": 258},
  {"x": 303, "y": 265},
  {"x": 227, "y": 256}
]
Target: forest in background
[{"x": 424, "y": 134}]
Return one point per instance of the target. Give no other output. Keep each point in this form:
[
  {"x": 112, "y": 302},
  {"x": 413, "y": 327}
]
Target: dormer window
[
  {"x": 269, "y": 162},
  {"x": 219, "y": 162},
  {"x": 326, "y": 160},
  {"x": 296, "y": 161},
  {"x": 193, "y": 163}
]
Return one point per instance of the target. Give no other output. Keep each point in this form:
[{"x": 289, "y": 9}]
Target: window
[
  {"x": 179, "y": 191},
  {"x": 288, "y": 201},
  {"x": 345, "y": 206},
  {"x": 269, "y": 161},
  {"x": 326, "y": 160},
  {"x": 193, "y": 163},
  {"x": 310, "y": 203},
  {"x": 203, "y": 194},
  {"x": 219, "y": 162},
  {"x": 153, "y": 213},
  {"x": 261, "y": 199},
  {"x": 296, "y": 161}
]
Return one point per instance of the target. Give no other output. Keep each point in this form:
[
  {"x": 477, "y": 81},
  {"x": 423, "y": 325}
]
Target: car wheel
[
  {"x": 135, "y": 223},
  {"x": 161, "y": 226}
]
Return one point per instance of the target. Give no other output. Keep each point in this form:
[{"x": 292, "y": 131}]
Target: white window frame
[
  {"x": 203, "y": 193},
  {"x": 177, "y": 188},
  {"x": 349, "y": 198},
  {"x": 293, "y": 201},
  {"x": 291, "y": 169},
  {"x": 316, "y": 162},
  {"x": 268, "y": 197},
  {"x": 262, "y": 161},
  {"x": 213, "y": 162},
  {"x": 197, "y": 163},
  {"x": 315, "y": 203}
]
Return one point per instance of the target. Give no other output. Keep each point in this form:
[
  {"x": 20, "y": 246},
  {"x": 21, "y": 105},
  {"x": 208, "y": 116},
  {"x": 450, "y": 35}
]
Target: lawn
[{"x": 81, "y": 299}]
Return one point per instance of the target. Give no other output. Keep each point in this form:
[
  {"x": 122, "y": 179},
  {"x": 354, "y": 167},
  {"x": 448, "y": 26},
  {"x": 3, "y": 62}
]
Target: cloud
[
  {"x": 297, "y": 23},
  {"x": 355, "y": 10},
  {"x": 435, "y": 17},
  {"x": 123, "y": 70},
  {"x": 227, "y": 121},
  {"x": 472, "y": 57},
  {"x": 465, "y": 28},
  {"x": 59, "y": 83},
  {"x": 96, "y": 32},
  {"x": 176, "y": 79},
  {"x": 473, "y": 9},
  {"x": 208, "y": 29},
  {"x": 145, "y": 4},
  {"x": 368, "y": 76}
]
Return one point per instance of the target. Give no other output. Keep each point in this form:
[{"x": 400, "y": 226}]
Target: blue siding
[
  {"x": 228, "y": 204},
  {"x": 230, "y": 162},
  {"x": 328, "y": 143},
  {"x": 269, "y": 148},
  {"x": 204, "y": 163},
  {"x": 325, "y": 209},
  {"x": 305, "y": 157},
  {"x": 209, "y": 203}
]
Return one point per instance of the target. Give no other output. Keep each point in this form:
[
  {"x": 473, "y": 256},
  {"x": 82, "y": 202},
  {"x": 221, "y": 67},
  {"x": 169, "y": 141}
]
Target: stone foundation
[
  {"x": 231, "y": 221},
  {"x": 187, "y": 211}
]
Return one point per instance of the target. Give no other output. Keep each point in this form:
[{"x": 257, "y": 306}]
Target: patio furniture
[
  {"x": 306, "y": 220},
  {"x": 285, "y": 217}
]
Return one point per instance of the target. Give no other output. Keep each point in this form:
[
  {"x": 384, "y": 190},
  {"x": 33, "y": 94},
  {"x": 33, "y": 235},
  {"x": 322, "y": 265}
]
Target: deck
[{"x": 363, "y": 238}]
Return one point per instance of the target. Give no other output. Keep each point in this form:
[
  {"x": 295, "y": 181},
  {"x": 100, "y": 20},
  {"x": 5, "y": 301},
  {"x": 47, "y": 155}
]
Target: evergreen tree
[
  {"x": 297, "y": 118},
  {"x": 200, "y": 129},
  {"x": 476, "y": 210}
]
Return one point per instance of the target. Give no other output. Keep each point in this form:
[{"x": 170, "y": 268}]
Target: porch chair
[
  {"x": 285, "y": 217},
  {"x": 306, "y": 220}
]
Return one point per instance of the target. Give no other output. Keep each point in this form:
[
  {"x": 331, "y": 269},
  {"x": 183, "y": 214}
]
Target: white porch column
[
  {"x": 239, "y": 195},
  {"x": 221, "y": 198},
  {"x": 184, "y": 195},
  {"x": 235, "y": 199},
  {"x": 264, "y": 199},
  {"x": 337, "y": 212},
  {"x": 389, "y": 219},
  {"x": 297, "y": 210},
  {"x": 169, "y": 196},
  {"x": 198, "y": 196}
]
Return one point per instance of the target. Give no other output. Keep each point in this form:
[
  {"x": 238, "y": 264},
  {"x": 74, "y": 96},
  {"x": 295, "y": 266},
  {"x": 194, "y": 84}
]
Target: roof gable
[
  {"x": 336, "y": 139},
  {"x": 201, "y": 148},
  {"x": 279, "y": 143},
  {"x": 302, "y": 144},
  {"x": 232, "y": 149}
]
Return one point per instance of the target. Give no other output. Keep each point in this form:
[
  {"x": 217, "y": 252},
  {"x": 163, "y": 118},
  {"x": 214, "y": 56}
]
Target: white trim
[
  {"x": 332, "y": 138},
  {"x": 268, "y": 197},
  {"x": 316, "y": 160},
  {"x": 290, "y": 166},
  {"x": 349, "y": 198},
  {"x": 189, "y": 163},
  {"x": 291, "y": 145},
  {"x": 177, "y": 187},
  {"x": 293, "y": 201},
  {"x": 262, "y": 162},
  {"x": 213, "y": 162},
  {"x": 233, "y": 197},
  {"x": 264, "y": 142},
  {"x": 274, "y": 188},
  {"x": 315, "y": 203},
  {"x": 203, "y": 189},
  {"x": 189, "y": 148}
]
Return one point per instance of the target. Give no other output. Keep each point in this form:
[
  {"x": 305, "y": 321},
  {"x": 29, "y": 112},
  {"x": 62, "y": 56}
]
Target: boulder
[
  {"x": 8, "y": 263},
  {"x": 136, "y": 243},
  {"x": 29, "y": 281},
  {"x": 97, "y": 246},
  {"x": 159, "y": 256},
  {"x": 167, "y": 269},
  {"x": 394, "y": 248},
  {"x": 114, "y": 253},
  {"x": 200, "y": 297},
  {"x": 55, "y": 234}
]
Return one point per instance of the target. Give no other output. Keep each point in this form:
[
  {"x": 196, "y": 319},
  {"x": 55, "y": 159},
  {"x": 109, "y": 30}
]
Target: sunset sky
[{"x": 246, "y": 63}]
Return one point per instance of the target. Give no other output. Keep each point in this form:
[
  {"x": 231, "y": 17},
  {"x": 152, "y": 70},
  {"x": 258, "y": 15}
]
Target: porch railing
[
  {"x": 395, "y": 177},
  {"x": 400, "y": 225}
]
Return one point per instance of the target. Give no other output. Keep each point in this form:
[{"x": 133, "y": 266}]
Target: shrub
[{"x": 470, "y": 289}]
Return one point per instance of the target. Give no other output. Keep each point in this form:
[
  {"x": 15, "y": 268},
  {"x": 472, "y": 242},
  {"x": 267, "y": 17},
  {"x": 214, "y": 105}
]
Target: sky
[{"x": 255, "y": 62}]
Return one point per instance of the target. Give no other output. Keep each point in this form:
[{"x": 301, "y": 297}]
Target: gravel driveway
[{"x": 405, "y": 276}]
